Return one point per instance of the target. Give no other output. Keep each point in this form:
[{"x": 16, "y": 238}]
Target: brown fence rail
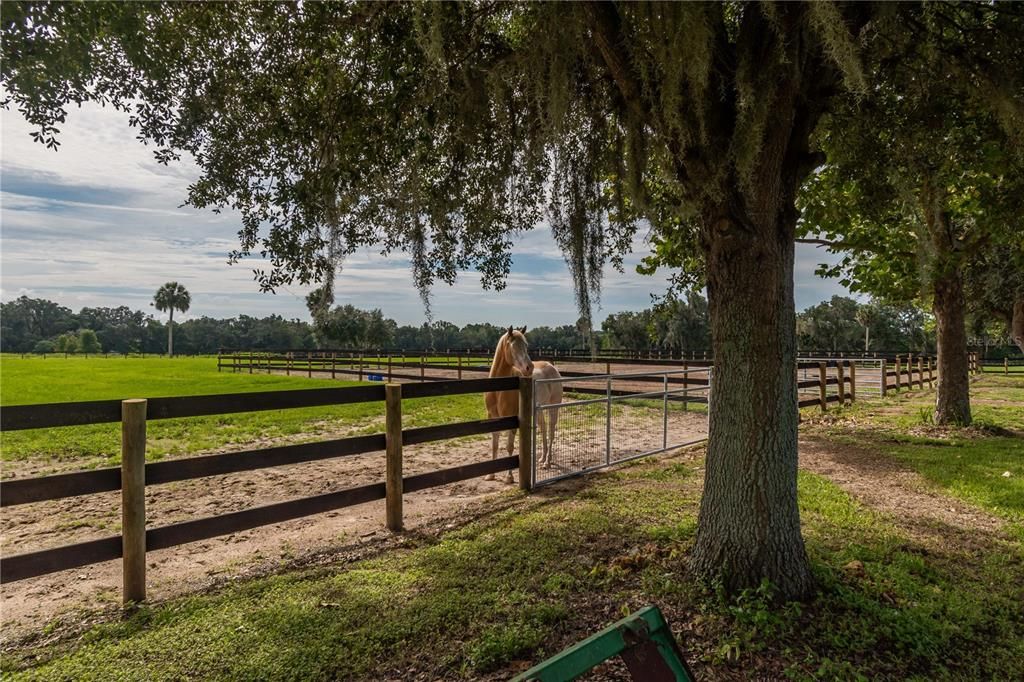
[
  {"x": 49, "y": 415},
  {"x": 42, "y": 562},
  {"x": 414, "y": 366},
  {"x": 42, "y": 488},
  {"x": 24, "y": 491},
  {"x": 907, "y": 372}
]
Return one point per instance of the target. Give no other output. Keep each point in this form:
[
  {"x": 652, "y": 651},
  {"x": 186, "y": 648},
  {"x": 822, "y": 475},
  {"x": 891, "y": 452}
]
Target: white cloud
[{"x": 100, "y": 223}]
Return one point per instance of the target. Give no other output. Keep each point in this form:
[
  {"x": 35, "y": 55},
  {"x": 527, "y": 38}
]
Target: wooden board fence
[{"x": 134, "y": 475}]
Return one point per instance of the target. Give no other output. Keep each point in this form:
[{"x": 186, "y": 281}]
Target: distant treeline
[
  {"x": 672, "y": 325},
  {"x": 38, "y": 325}
]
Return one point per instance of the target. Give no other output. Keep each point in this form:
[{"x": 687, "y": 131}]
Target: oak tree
[{"x": 445, "y": 130}]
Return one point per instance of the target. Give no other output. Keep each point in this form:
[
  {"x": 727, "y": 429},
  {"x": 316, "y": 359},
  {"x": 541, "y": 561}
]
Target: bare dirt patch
[
  {"x": 886, "y": 485},
  {"x": 30, "y": 604}
]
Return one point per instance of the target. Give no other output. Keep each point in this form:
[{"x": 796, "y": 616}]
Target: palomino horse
[{"x": 511, "y": 358}]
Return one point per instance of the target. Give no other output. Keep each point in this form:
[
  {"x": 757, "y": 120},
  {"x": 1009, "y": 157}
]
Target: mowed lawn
[
  {"x": 533, "y": 574},
  {"x": 982, "y": 464},
  {"x": 1000, "y": 369},
  {"x": 35, "y": 380}
]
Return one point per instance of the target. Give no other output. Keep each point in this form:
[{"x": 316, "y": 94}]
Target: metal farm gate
[{"x": 612, "y": 418}]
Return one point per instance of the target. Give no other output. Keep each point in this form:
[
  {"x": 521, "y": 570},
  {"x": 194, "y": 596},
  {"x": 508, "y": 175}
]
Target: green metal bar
[{"x": 638, "y": 630}]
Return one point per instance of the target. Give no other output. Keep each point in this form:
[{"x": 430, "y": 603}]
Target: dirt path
[
  {"x": 884, "y": 484},
  {"x": 30, "y": 604}
]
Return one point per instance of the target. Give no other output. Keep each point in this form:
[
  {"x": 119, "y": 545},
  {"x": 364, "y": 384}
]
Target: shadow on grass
[{"x": 522, "y": 580}]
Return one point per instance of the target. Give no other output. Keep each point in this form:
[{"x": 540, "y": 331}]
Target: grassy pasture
[
  {"x": 368, "y": 359},
  {"x": 540, "y": 572},
  {"x": 999, "y": 369},
  {"x": 35, "y": 380},
  {"x": 971, "y": 464}
]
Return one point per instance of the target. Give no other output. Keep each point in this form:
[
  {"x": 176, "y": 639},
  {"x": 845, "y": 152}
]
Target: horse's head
[{"x": 513, "y": 343}]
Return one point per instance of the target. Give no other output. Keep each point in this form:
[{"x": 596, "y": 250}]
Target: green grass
[
  {"x": 972, "y": 469},
  {"x": 999, "y": 369},
  {"x": 382, "y": 360},
  {"x": 34, "y": 380},
  {"x": 526, "y": 581},
  {"x": 541, "y": 572},
  {"x": 967, "y": 463}
]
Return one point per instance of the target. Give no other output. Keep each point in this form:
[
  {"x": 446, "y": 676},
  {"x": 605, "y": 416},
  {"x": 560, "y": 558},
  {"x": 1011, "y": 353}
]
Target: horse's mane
[{"x": 497, "y": 355}]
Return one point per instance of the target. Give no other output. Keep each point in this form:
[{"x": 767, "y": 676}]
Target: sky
[{"x": 100, "y": 223}]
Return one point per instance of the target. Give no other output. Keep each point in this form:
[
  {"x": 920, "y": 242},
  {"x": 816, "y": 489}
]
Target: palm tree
[
  {"x": 866, "y": 315},
  {"x": 170, "y": 297}
]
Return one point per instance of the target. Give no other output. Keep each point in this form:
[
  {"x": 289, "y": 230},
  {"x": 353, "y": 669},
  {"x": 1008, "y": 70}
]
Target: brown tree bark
[
  {"x": 953, "y": 395},
  {"x": 749, "y": 523},
  {"x": 1017, "y": 322}
]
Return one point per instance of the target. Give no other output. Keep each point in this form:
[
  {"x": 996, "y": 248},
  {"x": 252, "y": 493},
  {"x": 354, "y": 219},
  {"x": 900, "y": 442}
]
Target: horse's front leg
[
  {"x": 545, "y": 458},
  {"x": 511, "y": 447},
  {"x": 549, "y": 441},
  {"x": 494, "y": 453}
]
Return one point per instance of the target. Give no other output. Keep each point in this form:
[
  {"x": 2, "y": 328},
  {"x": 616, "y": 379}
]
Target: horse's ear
[
  {"x": 523, "y": 329},
  {"x": 510, "y": 330}
]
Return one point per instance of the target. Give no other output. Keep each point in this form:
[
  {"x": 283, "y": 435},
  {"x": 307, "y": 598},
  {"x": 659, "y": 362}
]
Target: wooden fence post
[
  {"x": 822, "y": 378},
  {"x": 360, "y": 366},
  {"x": 853, "y": 382},
  {"x": 525, "y": 432},
  {"x": 899, "y": 374},
  {"x": 133, "y": 500},
  {"x": 389, "y": 368},
  {"x": 393, "y": 462},
  {"x": 842, "y": 382},
  {"x": 885, "y": 377},
  {"x": 460, "y": 366},
  {"x": 423, "y": 362},
  {"x": 920, "y": 373}
]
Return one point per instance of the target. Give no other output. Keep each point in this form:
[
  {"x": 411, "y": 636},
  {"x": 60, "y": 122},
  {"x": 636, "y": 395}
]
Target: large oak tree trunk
[
  {"x": 749, "y": 524},
  {"x": 953, "y": 397},
  {"x": 743, "y": 173}
]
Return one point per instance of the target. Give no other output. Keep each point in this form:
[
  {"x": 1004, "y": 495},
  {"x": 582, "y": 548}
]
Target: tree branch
[
  {"x": 606, "y": 28},
  {"x": 850, "y": 246}
]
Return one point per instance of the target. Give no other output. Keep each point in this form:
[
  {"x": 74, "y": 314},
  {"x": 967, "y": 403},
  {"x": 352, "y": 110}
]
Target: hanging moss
[{"x": 443, "y": 130}]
